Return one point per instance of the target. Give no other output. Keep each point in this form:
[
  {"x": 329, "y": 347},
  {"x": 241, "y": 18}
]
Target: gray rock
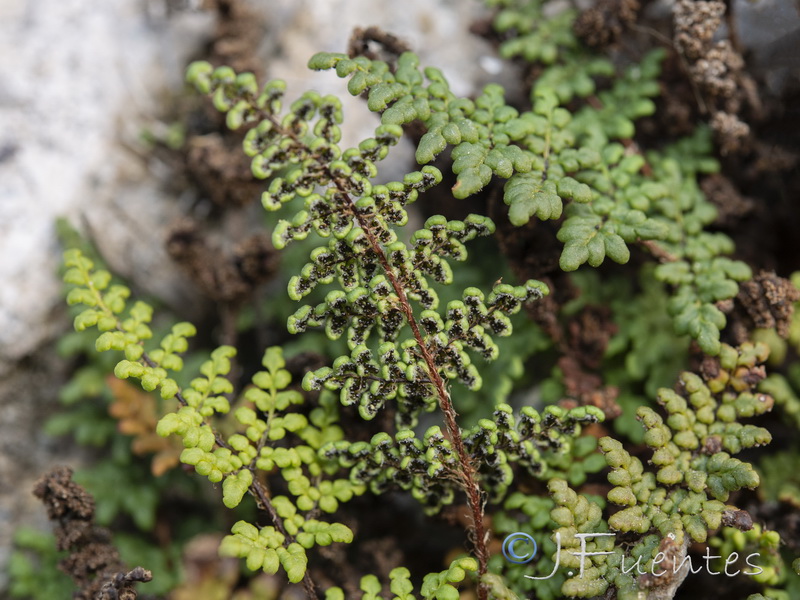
[{"x": 73, "y": 72}]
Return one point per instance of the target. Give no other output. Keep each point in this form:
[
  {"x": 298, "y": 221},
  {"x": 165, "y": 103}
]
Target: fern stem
[
  {"x": 264, "y": 500},
  {"x": 468, "y": 475}
]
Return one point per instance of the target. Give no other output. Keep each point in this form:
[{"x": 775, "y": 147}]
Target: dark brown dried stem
[{"x": 93, "y": 563}]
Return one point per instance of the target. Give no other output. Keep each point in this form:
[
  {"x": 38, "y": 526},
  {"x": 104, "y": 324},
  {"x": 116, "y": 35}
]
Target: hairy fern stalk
[
  {"x": 375, "y": 286},
  {"x": 380, "y": 275}
]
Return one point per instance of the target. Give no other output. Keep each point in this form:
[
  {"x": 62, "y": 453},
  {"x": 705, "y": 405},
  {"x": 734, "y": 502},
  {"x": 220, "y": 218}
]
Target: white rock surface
[{"x": 72, "y": 72}]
